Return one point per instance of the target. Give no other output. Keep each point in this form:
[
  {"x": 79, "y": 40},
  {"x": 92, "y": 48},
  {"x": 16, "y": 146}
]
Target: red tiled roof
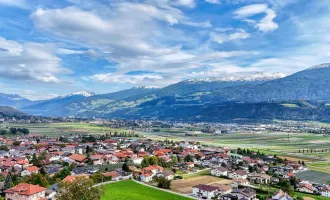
[
  {"x": 33, "y": 169},
  {"x": 113, "y": 174},
  {"x": 25, "y": 189},
  {"x": 78, "y": 157}
]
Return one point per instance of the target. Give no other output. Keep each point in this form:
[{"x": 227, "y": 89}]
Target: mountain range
[{"x": 302, "y": 95}]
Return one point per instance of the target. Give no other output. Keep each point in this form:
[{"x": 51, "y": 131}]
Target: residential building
[{"x": 25, "y": 191}]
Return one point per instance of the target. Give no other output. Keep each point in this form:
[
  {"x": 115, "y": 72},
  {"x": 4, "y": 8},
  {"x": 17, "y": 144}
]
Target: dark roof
[
  {"x": 248, "y": 192},
  {"x": 167, "y": 173},
  {"x": 206, "y": 187}
]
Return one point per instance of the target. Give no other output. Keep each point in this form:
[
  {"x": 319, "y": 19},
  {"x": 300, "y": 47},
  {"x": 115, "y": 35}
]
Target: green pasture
[{"x": 130, "y": 190}]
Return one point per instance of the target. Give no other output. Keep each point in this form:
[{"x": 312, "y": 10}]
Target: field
[
  {"x": 57, "y": 129},
  {"x": 314, "y": 176},
  {"x": 130, "y": 190},
  {"x": 184, "y": 186},
  {"x": 280, "y": 143}
]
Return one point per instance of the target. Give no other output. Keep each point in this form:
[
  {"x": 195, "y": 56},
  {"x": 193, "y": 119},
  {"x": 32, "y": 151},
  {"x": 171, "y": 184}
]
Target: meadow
[
  {"x": 128, "y": 189},
  {"x": 58, "y": 129}
]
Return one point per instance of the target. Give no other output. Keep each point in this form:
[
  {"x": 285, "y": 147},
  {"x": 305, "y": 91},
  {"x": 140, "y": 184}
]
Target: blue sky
[{"x": 50, "y": 48}]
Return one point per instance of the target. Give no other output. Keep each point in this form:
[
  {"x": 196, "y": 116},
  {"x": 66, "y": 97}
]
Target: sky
[{"x": 50, "y": 48}]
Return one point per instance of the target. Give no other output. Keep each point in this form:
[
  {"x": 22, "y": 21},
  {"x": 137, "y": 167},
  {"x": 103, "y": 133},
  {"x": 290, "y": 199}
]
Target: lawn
[
  {"x": 314, "y": 176},
  {"x": 201, "y": 173},
  {"x": 130, "y": 190}
]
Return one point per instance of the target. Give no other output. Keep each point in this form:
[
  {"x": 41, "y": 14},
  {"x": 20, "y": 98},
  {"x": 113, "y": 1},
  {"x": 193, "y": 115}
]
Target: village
[{"x": 32, "y": 166}]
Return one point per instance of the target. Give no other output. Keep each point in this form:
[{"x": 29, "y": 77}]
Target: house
[
  {"x": 245, "y": 193},
  {"x": 190, "y": 165},
  {"x": 114, "y": 175},
  {"x": 325, "y": 191},
  {"x": 50, "y": 194},
  {"x": 306, "y": 187},
  {"x": 205, "y": 191},
  {"x": 280, "y": 195},
  {"x": 238, "y": 174},
  {"x": 223, "y": 189},
  {"x": 25, "y": 191},
  {"x": 97, "y": 159},
  {"x": 219, "y": 171},
  {"x": 146, "y": 176},
  {"x": 259, "y": 178},
  {"x": 78, "y": 158},
  {"x": 30, "y": 170},
  {"x": 167, "y": 174},
  {"x": 240, "y": 182}
]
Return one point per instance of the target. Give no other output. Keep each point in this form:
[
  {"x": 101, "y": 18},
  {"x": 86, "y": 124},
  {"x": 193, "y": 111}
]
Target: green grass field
[
  {"x": 314, "y": 176},
  {"x": 130, "y": 190},
  {"x": 57, "y": 129}
]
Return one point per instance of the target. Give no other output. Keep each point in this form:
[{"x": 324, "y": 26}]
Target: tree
[
  {"x": 153, "y": 160},
  {"x": 4, "y": 147},
  {"x": 80, "y": 189},
  {"x": 16, "y": 143},
  {"x": 125, "y": 167},
  {"x": 98, "y": 177},
  {"x": 189, "y": 158},
  {"x": 13, "y": 130},
  {"x": 35, "y": 160},
  {"x": 286, "y": 187},
  {"x": 37, "y": 179},
  {"x": 89, "y": 150},
  {"x": 63, "y": 173},
  {"x": 8, "y": 182},
  {"x": 145, "y": 161},
  {"x": 162, "y": 182}
]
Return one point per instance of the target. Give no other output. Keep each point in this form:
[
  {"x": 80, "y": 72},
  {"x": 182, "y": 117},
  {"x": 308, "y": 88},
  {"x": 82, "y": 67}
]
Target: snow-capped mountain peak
[
  {"x": 84, "y": 93},
  {"x": 324, "y": 65},
  {"x": 146, "y": 87},
  {"x": 81, "y": 93},
  {"x": 13, "y": 97},
  {"x": 260, "y": 76}
]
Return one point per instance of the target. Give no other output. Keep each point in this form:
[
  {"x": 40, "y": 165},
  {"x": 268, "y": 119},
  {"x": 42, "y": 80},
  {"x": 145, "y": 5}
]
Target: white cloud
[
  {"x": 15, "y": 3},
  {"x": 221, "y": 38},
  {"x": 266, "y": 24},
  {"x": 206, "y": 24},
  {"x": 30, "y": 61},
  {"x": 213, "y": 1},
  {"x": 64, "y": 51},
  {"x": 171, "y": 20},
  {"x": 250, "y": 10},
  {"x": 185, "y": 3},
  {"x": 126, "y": 79}
]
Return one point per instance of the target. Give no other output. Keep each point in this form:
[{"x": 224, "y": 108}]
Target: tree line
[{"x": 15, "y": 131}]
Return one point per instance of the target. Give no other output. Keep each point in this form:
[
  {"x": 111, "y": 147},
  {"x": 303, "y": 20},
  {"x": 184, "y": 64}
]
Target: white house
[
  {"x": 205, "y": 191},
  {"x": 280, "y": 195},
  {"x": 219, "y": 171},
  {"x": 30, "y": 170},
  {"x": 325, "y": 191},
  {"x": 237, "y": 174}
]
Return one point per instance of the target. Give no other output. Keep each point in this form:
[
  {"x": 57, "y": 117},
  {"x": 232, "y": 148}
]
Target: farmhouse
[{"x": 25, "y": 191}]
